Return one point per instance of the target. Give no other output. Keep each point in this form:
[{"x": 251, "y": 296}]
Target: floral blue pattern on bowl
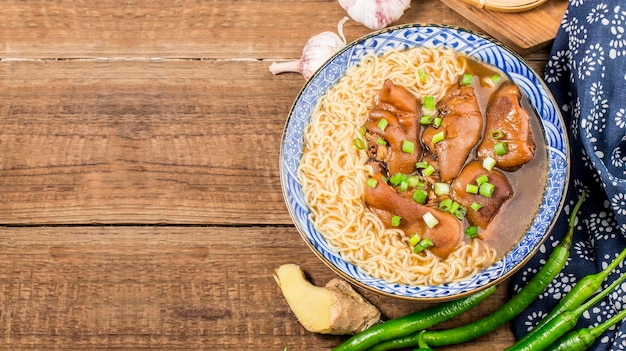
[{"x": 478, "y": 47}]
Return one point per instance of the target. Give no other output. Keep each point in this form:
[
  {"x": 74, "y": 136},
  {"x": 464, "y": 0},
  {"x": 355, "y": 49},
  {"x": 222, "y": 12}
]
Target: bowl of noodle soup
[{"x": 323, "y": 175}]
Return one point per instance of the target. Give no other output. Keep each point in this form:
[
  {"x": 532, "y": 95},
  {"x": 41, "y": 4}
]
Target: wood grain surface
[{"x": 140, "y": 199}]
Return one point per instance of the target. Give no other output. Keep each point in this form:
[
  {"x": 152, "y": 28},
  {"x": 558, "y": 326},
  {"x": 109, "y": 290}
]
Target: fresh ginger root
[{"x": 334, "y": 309}]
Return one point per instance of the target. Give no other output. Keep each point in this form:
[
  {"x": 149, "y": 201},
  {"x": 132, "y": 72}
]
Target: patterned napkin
[{"x": 586, "y": 73}]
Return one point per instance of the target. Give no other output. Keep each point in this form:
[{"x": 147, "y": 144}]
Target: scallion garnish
[
  {"x": 437, "y": 122},
  {"x": 475, "y": 206},
  {"x": 460, "y": 213},
  {"x": 423, "y": 245},
  {"x": 429, "y": 102},
  {"x": 426, "y": 120},
  {"x": 421, "y": 165},
  {"x": 428, "y": 170},
  {"x": 414, "y": 181},
  {"x": 397, "y": 178},
  {"x": 422, "y": 75},
  {"x": 382, "y": 124},
  {"x": 404, "y": 185},
  {"x": 414, "y": 240},
  {"x": 467, "y": 79},
  {"x": 500, "y": 148},
  {"x": 395, "y": 221},
  {"x": 439, "y": 137},
  {"x": 482, "y": 180},
  {"x": 362, "y": 130},
  {"x": 430, "y": 220},
  {"x": 372, "y": 182},
  {"x": 359, "y": 143},
  {"x": 496, "y": 134},
  {"x": 420, "y": 196},
  {"x": 486, "y": 189},
  {"x": 471, "y": 188},
  {"x": 408, "y": 146},
  {"x": 442, "y": 188},
  {"x": 489, "y": 163},
  {"x": 381, "y": 141},
  {"x": 445, "y": 205},
  {"x": 454, "y": 207},
  {"x": 495, "y": 78},
  {"x": 472, "y": 231}
]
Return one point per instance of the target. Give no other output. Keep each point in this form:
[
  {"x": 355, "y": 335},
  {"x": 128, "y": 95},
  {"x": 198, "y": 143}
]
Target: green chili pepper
[
  {"x": 413, "y": 322},
  {"x": 581, "y": 339},
  {"x": 561, "y": 324},
  {"x": 584, "y": 289}
]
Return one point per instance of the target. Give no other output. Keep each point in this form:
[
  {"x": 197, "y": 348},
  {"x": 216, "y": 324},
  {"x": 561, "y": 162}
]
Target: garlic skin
[
  {"x": 375, "y": 14},
  {"x": 317, "y": 50}
]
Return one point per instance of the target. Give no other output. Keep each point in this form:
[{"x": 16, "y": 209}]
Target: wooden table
[{"x": 140, "y": 200}]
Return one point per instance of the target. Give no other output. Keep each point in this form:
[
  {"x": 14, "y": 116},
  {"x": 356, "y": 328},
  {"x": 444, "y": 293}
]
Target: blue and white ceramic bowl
[{"x": 478, "y": 47}]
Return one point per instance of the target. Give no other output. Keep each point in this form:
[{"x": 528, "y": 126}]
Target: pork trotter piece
[
  {"x": 462, "y": 125},
  {"x": 507, "y": 119}
]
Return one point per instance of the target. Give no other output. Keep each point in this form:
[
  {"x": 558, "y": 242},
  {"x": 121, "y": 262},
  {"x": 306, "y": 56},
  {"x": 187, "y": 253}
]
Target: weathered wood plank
[
  {"x": 164, "y": 288},
  {"x": 181, "y": 29}
]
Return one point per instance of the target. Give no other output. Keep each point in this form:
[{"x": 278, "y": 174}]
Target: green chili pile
[{"x": 553, "y": 333}]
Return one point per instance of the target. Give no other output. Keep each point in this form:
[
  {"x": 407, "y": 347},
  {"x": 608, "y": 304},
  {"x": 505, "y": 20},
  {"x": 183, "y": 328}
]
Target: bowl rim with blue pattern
[{"x": 481, "y": 48}]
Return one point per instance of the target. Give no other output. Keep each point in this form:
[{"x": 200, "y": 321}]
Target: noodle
[{"x": 333, "y": 172}]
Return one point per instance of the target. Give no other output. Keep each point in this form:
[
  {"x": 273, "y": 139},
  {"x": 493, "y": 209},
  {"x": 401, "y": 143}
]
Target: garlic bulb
[
  {"x": 375, "y": 14},
  {"x": 316, "y": 51}
]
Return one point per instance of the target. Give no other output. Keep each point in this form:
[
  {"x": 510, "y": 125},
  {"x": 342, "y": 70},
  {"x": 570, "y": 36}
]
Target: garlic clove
[
  {"x": 375, "y": 14},
  {"x": 317, "y": 50}
]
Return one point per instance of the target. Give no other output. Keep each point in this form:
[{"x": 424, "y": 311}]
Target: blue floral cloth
[{"x": 586, "y": 73}]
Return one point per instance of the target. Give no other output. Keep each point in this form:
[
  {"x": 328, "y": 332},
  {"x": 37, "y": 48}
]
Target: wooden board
[{"x": 523, "y": 32}]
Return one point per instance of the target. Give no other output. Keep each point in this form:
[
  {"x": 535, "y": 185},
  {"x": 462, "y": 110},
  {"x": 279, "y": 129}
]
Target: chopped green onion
[
  {"x": 359, "y": 143},
  {"x": 385, "y": 179},
  {"x": 437, "y": 122},
  {"x": 426, "y": 120},
  {"x": 414, "y": 181},
  {"x": 482, "y": 180},
  {"x": 423, "y": 245},
  {"x": 500, "y": 148},
  {"x": 486, "y": 189},
  {"x": 408, "y": 146},
  {"x": 397, "y": 178},
  {"x": 445, "y": 205},
  {"x": 381, "y": 141},
  {"x": 420, "y": 196},
  {"x": 467, "y": 79},
  {"x": 422, "y": 75},
  {"x": 428, "y": 170},
  {"x": 395, "y": 221},
  {"x": 439, "y": 137},
  {"x": 495, "y": 78},
  {"x": 421, "y": 164},
  {"x": 472, "y": 231},
  {"x": 460, "y": 213},
  {"x": 430, "y": 220},
  {"x": 429, "y": 102},
  {"x": 372, "y": 182},
  {"x": 454, "y": 207},
  {"x": 442, "y": 188},
  {"x": 404, "y": 185},
  {"x": 414, "y": 240},
  {"x": 496, "y": 134},
  {"x": 475, "y": 206},
  {"x": 382, "y": 124},
  {"x": 489, "y": 163},
  {"x": 362, "y": 130},
  {"x": 471, "y": 188}
]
